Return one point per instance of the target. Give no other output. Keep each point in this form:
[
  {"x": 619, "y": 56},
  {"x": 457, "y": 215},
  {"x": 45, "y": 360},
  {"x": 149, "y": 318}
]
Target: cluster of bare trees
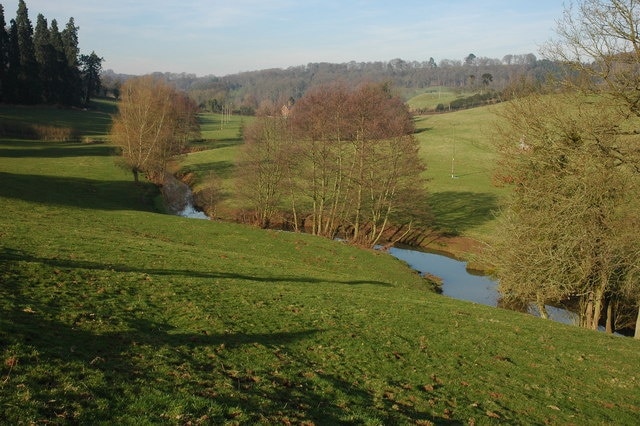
[
  {"x": 340, "y": 163},
  {"x": 153, "y": 124},
  {"x": 570, "y": 232}
]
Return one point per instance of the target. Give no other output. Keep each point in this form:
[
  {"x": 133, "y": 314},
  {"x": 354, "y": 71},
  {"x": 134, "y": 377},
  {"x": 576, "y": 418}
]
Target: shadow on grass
[
  {"x": 17, "y": 255},
  {"x": 77, "y": 192},
  {"x": 81, "y": 362},
  {"x": 223, "y": 169},
  {"x": 36, "y": 149},
  {"x": 211, "y": 144},
  {"x": 457, "y": 212}
]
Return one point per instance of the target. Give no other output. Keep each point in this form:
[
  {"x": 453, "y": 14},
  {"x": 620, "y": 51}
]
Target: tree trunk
[
  {"x": 136, "y": 178},
  {"x": 597, "y": 306},
  {"x": 587, "y": 314},
  {"x": 541, "y": 306},
  {"x": 610, "y": 316},
  {"x": 637, "y": 334}
]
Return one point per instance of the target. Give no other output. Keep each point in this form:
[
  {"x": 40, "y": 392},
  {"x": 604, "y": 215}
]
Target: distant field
[{"x": 433, "y": 96}]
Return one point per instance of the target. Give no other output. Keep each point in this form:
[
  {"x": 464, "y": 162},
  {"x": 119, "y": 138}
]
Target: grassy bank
[{"x": 111, "y": 313}]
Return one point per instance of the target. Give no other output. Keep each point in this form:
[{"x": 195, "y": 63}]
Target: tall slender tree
[
  {"x": 4, "y": 55},
  {"x": 28, "y": 83},
  {"x": 46, "y": 58},
  {"x": 91, "y": 66},
  {"x": 59, "y": 64},
  {"x": 72, "y": 92},
  {"x": 11, "y": 91}
]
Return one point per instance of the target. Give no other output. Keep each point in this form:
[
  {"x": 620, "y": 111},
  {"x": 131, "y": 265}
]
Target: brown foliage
[
  {"x": 342, "y": 159},
  {"x": 153, "y": 124}
]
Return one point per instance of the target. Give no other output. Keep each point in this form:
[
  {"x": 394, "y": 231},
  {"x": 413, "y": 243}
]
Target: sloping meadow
[{"x": 113, "y": 313}]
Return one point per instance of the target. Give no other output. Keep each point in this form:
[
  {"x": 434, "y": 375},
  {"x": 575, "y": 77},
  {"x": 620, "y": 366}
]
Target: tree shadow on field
[
  {"x": 211, "y": 144},
  {"x": 36, "y": 149},
  {"x": 223, "y": 169},
  {"x": 77, "y": 192},
  {"x": 17, "y": 255},
  {"x": 457, "y": 212},
  {"x": 82, "y": 362}
]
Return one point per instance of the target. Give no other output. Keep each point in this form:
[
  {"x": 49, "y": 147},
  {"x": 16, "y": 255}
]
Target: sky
[{"x": 214, "y": 37}]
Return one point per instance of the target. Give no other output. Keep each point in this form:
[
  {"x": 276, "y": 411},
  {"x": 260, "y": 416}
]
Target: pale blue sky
[{"x": 224, "y": 37}]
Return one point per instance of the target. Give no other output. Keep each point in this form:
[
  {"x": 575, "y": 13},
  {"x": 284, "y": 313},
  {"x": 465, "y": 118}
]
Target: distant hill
[{"x": 245, "y": 91}]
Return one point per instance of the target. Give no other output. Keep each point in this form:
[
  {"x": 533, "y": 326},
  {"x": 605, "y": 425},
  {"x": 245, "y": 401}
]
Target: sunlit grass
[{"x": 111, "y": 313}]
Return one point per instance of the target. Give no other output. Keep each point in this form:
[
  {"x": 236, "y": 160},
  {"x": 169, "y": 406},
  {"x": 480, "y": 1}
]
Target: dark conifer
[
  {"x": 28, "y": 75},
  {"x": 72, "y": 78},
  {"x": 4, "y": 55},
  {"x": 91, "y": 68},
  {"x": 13, "y": 59},
  {"x": 46, "y": 58},
  {"x": 59, "y": 66}
]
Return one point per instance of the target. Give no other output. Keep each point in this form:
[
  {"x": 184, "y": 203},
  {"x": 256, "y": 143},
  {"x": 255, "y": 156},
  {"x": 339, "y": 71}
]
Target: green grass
[
  {"x": 460, "y": 165},
  {"x": 111, "y": 313},
  {"x": 433, "y": 96}
]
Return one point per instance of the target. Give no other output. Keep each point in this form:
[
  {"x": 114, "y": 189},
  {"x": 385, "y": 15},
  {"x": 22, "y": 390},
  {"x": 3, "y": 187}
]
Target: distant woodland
[{"x": 245, "y": 92}]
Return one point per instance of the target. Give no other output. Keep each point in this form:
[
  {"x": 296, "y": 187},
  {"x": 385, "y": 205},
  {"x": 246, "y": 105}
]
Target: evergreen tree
[
  {"x": 91, "y": 68},
  {"x": 72, "y": 78},
  {"x": 4, "y": 55},
  {"x": 28, "y": 76},
  {"x": 13, "y": 59},
  {"x": 59, "y": 66},
  {"x": 46, "y": 58}
]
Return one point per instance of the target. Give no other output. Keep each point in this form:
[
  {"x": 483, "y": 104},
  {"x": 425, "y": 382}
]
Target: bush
[{"x": 16, "y": 129}]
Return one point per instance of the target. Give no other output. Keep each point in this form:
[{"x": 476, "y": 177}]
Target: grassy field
[
  {"x": 460, "y": 164},
  {"x": 431, "y": 97},
  {"x": 111, "y": 313}
]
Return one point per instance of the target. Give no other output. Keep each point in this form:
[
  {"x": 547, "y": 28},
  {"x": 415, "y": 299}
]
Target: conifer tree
[
  {"x": 59, "y": 66},
  {"x": 72, "y": 78},
  {"x": 13, "y": 64},
  {"x": 4, "y": 55},
  {"x": 28, "y": 76},
  {"x": 46, "y": 58},
  {"x": 91, "y": 68}
]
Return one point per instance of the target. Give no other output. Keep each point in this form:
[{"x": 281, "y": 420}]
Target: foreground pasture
[{"x": 111, "y": 313}]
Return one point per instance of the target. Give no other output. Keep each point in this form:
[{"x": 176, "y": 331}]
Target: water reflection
[{"x": 458, "y": 283}]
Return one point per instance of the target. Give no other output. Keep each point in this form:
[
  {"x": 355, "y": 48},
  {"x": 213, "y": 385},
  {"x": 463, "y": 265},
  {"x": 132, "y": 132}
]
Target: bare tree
[
  {"x": 261, "y": 166},
  {"x": 153, "y": 124},
  {"x": 599, "y": 41},
  {"x": 565, "y": 234},
  {"x": 342, "y": 159},
  {"x": 321, "y": 126}
]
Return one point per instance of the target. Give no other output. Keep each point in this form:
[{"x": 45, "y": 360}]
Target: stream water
[
  {"x": 458, "y": 283},
  {"x": 179, "y": 198}
]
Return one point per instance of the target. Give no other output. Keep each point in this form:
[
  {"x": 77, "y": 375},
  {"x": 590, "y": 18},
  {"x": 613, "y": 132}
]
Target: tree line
[
  {"x": 44, "y": 65},
  {"x": 244, "y": 92}
]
